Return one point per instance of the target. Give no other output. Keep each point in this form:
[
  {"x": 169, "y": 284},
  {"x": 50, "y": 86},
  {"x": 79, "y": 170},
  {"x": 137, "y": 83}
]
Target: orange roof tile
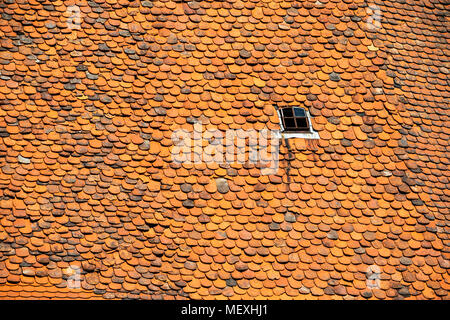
[{"x": 87, "y": 182}]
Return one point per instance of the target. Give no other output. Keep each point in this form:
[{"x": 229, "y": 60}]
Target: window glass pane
[
  {"x": 287, "y": 112},
  {"x": 299, "y": 112},
  {"x": 289, "y": 123},
  {"x": 302, "y": 123},
  {"x": 294, "y": 119}
]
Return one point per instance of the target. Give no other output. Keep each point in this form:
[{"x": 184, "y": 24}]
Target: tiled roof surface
[
  {"x": 44, "y": 291},
  {"x": 86, "y": 176}
]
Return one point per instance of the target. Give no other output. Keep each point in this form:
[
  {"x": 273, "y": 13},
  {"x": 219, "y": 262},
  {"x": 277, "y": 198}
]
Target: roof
[{"x": 87, "y": 179}]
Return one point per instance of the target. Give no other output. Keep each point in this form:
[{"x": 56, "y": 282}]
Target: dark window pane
[
  {"x": 289, "y": 123},
  {"x": 287, "y": 112},
  {"x": 302, "y": 123},
  {"x": 299, "y": 112},
  {"x": 294, "y": 118}
]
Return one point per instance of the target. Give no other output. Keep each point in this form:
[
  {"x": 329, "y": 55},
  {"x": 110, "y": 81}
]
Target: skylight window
[
  {"x": 295, "y": 122},
  {"x": 295, "y": 119}
]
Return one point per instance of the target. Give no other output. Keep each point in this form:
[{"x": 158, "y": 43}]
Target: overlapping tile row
[
  {"x": 44, "y": 291},
  {"x": 87, "y": 178}
]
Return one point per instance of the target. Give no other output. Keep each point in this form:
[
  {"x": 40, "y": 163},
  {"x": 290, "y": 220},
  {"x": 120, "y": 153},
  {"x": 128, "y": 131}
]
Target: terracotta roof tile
[{"x": 86, "y": 177}]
